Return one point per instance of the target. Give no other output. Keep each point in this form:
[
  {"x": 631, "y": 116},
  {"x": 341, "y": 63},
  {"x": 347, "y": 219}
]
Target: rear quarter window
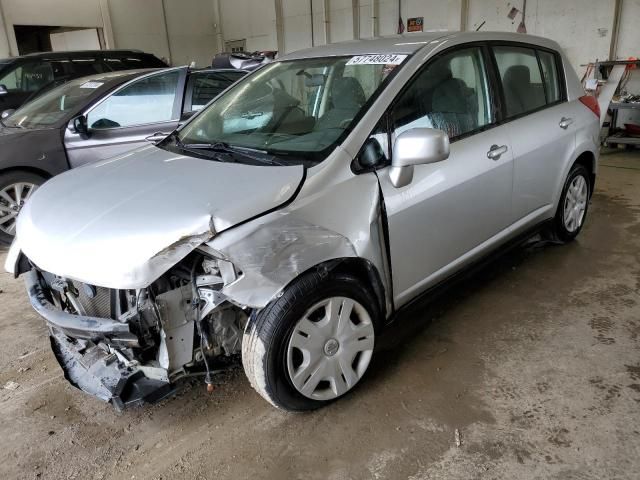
[{"x": 550, "y": 73}]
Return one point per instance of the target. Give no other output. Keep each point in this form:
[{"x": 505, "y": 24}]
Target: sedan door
[
  {"x": 541, "y": 126},
  {"x": 451, "y": 211},
  {"x": 144, "y": 110}
]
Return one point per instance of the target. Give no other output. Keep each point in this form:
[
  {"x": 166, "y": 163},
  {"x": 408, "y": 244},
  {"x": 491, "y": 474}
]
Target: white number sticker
[
  {"x": 388, "y": 59},
  {"x": 91, "y": 85}
]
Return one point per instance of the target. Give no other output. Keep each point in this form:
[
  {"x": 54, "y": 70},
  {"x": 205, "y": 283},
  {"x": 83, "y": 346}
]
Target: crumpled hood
[{"x": 121, "y": 223}]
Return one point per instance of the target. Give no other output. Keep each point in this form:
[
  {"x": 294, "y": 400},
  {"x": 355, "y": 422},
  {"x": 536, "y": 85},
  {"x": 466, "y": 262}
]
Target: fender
[
  {"x": 586, "y": 146},
  {"x": 269, "y": 252}
]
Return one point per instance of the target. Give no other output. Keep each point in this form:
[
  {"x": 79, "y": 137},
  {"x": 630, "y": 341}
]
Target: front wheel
[
  {"x": 15, "y": 188},
  {"x": 573, "y": 205},
  {"x": 313, "y": 344}
]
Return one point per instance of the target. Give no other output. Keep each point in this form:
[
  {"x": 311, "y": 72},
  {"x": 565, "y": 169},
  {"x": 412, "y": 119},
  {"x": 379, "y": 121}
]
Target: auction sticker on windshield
[
  {"x": 91, "y": 85},
  {"x": 387, "y": 59}
]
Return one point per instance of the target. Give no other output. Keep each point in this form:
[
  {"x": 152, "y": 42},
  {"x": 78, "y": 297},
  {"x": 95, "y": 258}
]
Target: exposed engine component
[{"x": 131, "y": 346}]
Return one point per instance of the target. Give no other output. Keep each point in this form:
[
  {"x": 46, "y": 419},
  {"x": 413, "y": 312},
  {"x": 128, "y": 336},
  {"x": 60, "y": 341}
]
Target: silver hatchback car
[{"x": 295, "y": 216}]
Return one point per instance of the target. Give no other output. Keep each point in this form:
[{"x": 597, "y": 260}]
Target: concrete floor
[{"x": 535, "y": 362}]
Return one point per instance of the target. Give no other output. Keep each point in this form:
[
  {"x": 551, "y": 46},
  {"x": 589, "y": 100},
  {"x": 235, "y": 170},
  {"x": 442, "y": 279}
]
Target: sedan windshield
[
  {"x": 300, "y": 107},
  {"x": 53, "y": 106}
]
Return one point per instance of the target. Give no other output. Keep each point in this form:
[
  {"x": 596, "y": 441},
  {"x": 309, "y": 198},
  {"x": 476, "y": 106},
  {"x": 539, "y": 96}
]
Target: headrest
[
  {"x": 349, "y": 90},
  {"x": 517, "y": 75}
]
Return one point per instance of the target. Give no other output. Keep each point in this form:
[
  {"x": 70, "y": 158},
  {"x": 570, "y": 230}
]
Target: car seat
[{"x": 347, "y": 98}]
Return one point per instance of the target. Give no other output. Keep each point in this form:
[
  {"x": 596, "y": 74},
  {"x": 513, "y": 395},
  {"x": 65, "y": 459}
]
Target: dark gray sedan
[{"x": 93, "y": 118}]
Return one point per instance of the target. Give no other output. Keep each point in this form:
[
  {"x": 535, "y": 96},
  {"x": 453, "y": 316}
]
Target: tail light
[{"x": 591, "y": 103}]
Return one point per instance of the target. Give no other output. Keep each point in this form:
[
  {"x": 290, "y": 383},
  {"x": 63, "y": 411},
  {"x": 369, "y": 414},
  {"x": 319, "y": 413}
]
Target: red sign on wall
[{"x": 415, "y": 24}]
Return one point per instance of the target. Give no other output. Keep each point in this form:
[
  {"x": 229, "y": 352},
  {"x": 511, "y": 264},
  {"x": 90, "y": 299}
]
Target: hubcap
[
  {"x": 575, "y": 203},
  {"x": 12, "y": 198},
  {"x": 330, "y": 348}
]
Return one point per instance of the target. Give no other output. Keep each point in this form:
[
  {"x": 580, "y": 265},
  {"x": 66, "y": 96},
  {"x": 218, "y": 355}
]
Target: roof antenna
[{"x": 481, "y": 25}]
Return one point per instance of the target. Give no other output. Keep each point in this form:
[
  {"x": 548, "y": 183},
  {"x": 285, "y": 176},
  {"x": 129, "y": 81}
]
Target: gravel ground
[{"x": 529, "y": 369}]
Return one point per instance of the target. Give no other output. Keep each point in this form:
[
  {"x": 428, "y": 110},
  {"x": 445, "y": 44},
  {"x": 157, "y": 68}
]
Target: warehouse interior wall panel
[
  {"x": 186, "y": 30},
  {"x": 139, "y": 25},
  {"x": 253, "y": 20}
]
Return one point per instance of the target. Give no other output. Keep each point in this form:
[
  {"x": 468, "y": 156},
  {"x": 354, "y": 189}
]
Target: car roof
[
  {"x": 408, "y": 44},
  {"x": 120, "y": 76},
  {"x": 83, "y": 53}
]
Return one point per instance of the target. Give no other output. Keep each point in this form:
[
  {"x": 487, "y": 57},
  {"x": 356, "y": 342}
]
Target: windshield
[
  {"x": 53, "y": 106},
  {"x": 300, "y": 107}
]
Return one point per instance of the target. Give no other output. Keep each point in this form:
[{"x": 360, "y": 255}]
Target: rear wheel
[
  {"x": 313, "y": 344},
  {"x": 15, "y": 188},
  {"x": 573, "y": 204}
]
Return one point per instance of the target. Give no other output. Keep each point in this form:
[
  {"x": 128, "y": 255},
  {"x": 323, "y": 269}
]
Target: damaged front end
[{"x": 129, "y": 347}]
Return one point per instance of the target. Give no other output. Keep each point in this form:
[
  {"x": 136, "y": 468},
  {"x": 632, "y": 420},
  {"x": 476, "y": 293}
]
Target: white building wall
[
  {"x": 4, "y": 40},
  {"x": 189, "y": 33},
  {"x": 140, "y": 25},
  {"x": 191, "y": 26},
  {"x": 252, "y": 20},
  {"x": 583, "y": 28}
]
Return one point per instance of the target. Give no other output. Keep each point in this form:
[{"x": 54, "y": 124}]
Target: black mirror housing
[{"x": 80, "y": 125}]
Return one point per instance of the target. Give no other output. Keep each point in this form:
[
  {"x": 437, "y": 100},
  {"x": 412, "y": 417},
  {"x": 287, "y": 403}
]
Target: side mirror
[
  {"x": 417, "y": 146},
  {"x": 3, "y": 90},
  {"x": 80, "y": 125},
  {"x": 6, "y": 113},
  {"x": 187, "y": 115},
  {"x": 371, "y": 156}
]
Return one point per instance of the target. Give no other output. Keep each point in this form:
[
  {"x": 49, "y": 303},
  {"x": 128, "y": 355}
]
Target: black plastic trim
[{"x": 76, "y": 326}]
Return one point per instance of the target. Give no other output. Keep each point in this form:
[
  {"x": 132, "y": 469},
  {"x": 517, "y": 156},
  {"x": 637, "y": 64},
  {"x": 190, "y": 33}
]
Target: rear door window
[
  {"x": 82, "y": 67},
  {"x": 148, "y": 100},
  {"x": 521, "y": 78},
  {"x": 116, "y": 63},
  {"x": 205, "y": 86}
]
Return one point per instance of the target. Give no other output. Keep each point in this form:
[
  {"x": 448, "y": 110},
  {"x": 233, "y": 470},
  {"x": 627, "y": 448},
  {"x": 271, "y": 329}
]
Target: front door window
[
  {"x": 148, "y": 100},
  {"x": 450, "y": 94}
]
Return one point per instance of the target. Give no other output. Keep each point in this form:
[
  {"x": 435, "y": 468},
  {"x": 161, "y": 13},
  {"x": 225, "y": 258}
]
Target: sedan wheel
[
  {"x": 12, "y": 199},
  {"x": 15, "y": 189},
  {"x": 330, "y": 348},
  {"x": 314, "y": 343},
  {"x": 575, "y": 204}
]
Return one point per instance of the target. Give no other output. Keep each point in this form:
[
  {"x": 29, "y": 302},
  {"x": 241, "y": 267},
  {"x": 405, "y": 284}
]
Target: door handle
[
  {"x": 495, "y": 152},
  {"x": 156, "y": 137},
  {"x": 565, "y": 122}
]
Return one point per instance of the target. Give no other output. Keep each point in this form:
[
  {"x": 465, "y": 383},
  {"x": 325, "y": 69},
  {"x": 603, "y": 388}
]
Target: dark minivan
[{"x": 23, "y": 78}]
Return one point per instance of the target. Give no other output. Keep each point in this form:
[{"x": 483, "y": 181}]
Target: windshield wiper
[{"x": 222, "y": 147}]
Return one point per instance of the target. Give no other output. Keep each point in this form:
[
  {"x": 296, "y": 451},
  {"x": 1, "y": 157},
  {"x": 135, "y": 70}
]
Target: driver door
[
  {"x": 452, "y": 208},
  {"x": 129, "y": 118}
]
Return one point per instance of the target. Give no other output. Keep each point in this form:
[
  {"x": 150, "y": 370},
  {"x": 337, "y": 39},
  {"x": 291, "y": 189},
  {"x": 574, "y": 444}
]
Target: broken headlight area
[{"x": 129, "y": 347}]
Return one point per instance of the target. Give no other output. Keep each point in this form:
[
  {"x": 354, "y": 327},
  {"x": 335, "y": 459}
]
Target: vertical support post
[
  {"x": 464, "y": 14},
  {"x": 615, "y": 30},
  {"x": 5, "y": 30},
  {"x": 107, "y": 28},
  {"x": 166, "y": 31},
  {"x": 375, "y": 18},
  {"x": 355, "y": 8},
  {"x": 327, "y": 25},
  {"x": 313, "y": 29},
  {"x": 279, "y": 26},
  {"x": 219, "y": 32}
]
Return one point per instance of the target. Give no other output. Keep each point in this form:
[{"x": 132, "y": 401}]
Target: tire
[
  {"x": 277, "y": 356},
  {"x": 12, "y": 184},
  {"x": 575, "y": 197}
]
